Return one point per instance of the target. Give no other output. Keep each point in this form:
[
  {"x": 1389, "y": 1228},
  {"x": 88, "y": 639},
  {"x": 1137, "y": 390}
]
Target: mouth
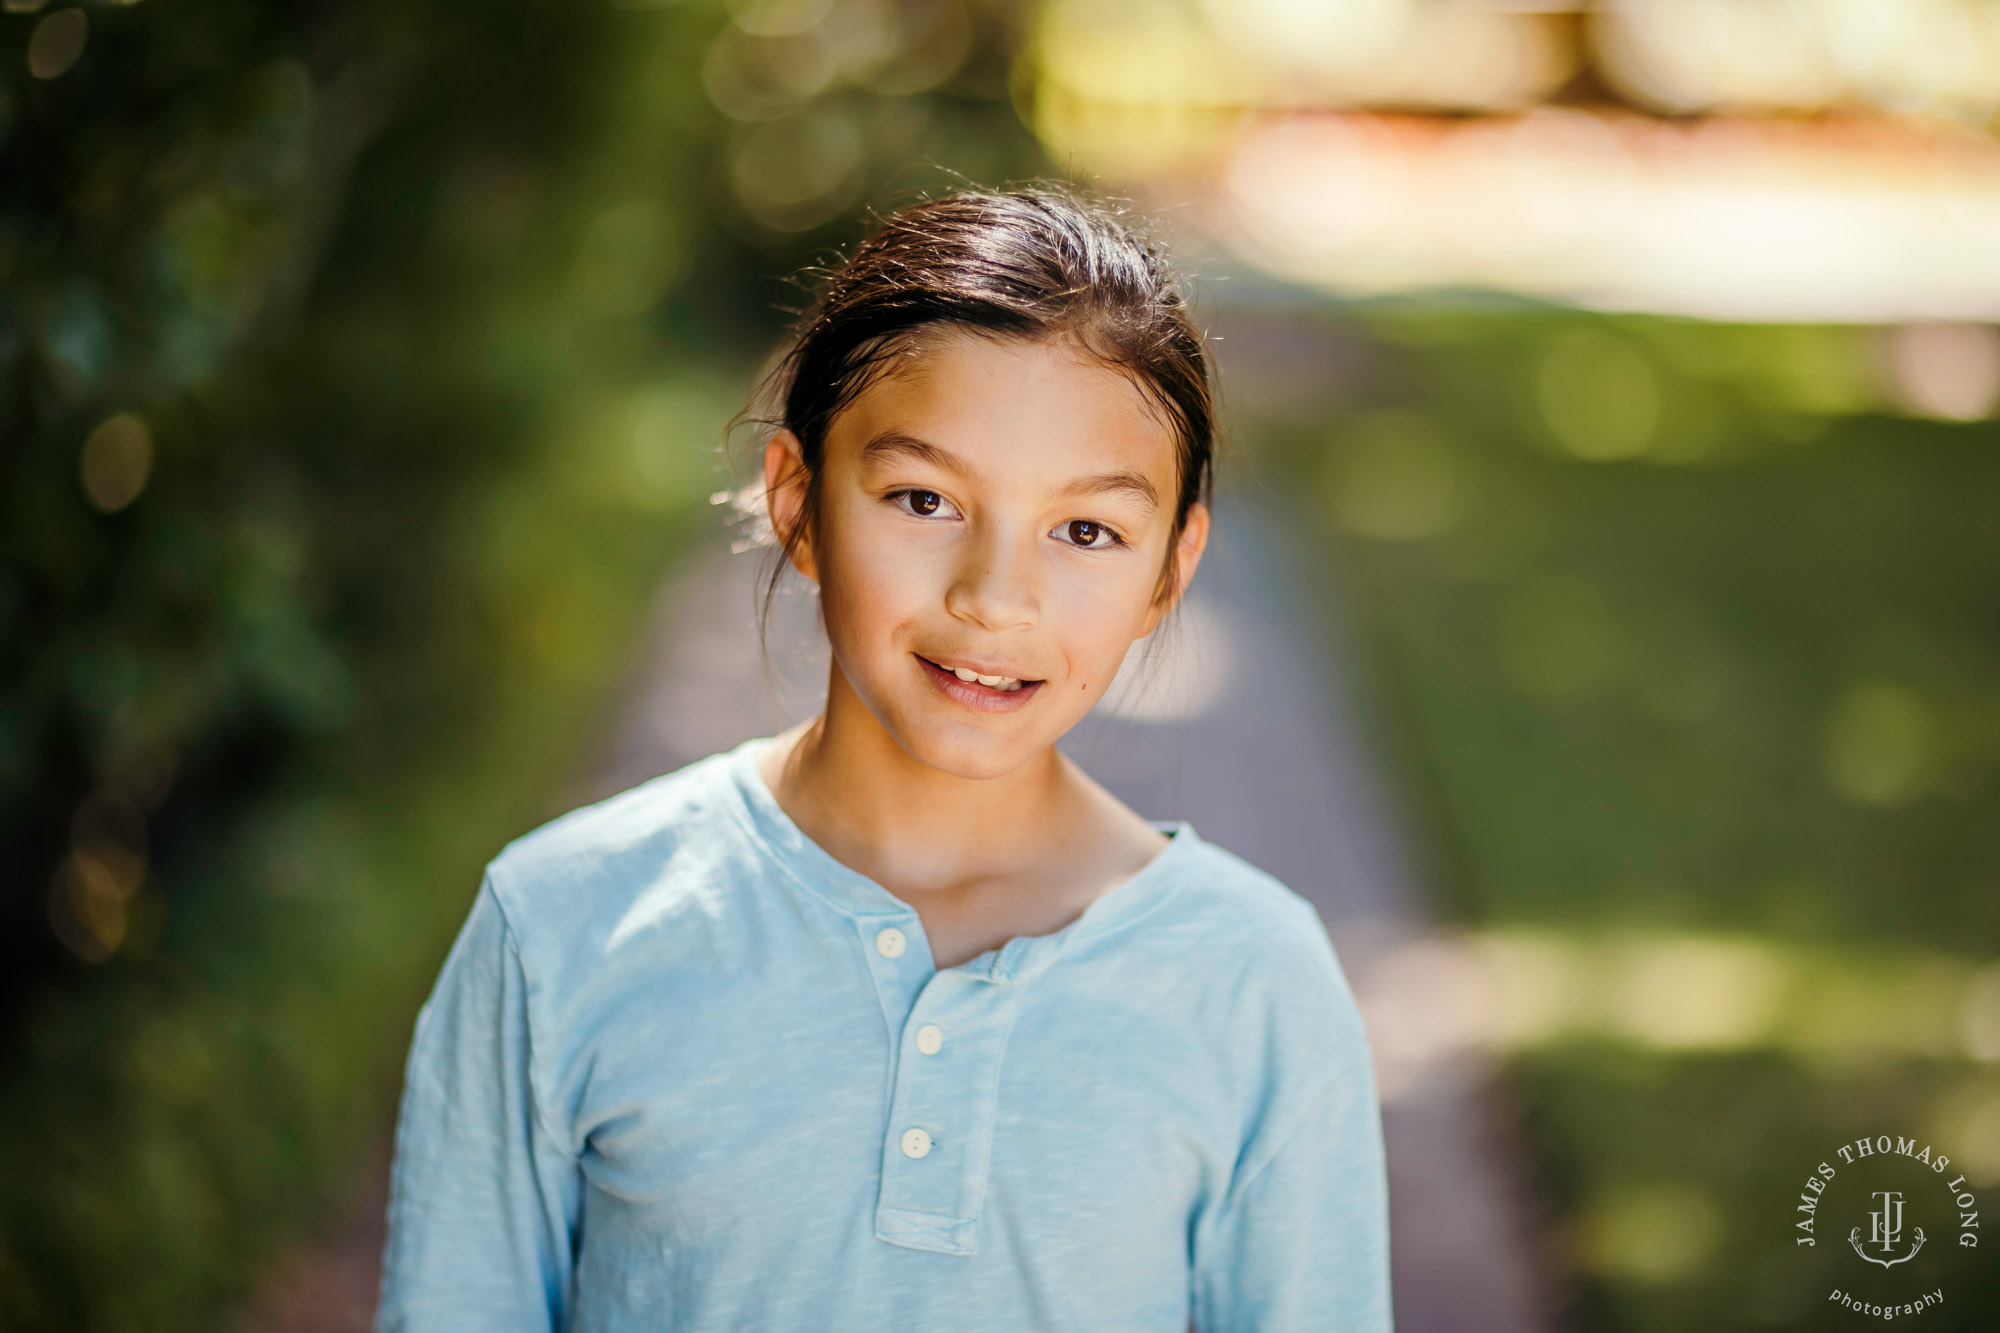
[{"x": 985, "y": 690}]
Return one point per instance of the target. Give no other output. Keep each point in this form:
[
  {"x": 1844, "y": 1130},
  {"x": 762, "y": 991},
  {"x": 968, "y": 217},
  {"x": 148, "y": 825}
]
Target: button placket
[{"x": 942, "y": 1113}]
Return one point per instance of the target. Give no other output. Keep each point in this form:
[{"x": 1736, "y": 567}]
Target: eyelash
[{"x": 900, "y": 497}]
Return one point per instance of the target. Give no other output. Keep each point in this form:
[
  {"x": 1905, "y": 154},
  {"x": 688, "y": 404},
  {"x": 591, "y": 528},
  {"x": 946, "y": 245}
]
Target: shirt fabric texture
[{"x": 684, "y": 1070}]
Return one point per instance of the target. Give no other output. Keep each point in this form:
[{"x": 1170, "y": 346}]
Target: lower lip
[{"x": 974, "y": 695}]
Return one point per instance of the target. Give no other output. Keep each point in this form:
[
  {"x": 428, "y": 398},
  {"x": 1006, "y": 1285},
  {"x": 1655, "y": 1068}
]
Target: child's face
[{"x": 999, "y": 506}]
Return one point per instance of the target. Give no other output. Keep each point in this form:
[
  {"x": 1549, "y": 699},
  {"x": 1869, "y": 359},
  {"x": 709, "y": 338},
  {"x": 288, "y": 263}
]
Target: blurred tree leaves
[{"x": 361, "y": 364}]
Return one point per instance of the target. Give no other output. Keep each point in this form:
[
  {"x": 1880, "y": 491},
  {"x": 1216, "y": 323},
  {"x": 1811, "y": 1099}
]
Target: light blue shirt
[{"x": 684, "y": 1070}]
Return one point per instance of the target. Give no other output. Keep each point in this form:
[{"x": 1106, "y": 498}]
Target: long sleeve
[
  {"x": 1299, "y": 1240},
  {"x": 483, "y": 1202}
]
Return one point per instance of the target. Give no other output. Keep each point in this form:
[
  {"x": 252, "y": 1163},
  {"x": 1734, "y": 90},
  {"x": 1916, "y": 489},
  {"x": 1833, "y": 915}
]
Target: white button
[
  {"x": 929, "y": 1039},
  {"x": 890, "y": 943},
  {"x": 915, "y": 1143}
]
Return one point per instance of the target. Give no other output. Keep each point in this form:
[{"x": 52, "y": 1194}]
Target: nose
[{"x": 994, "y": 585}]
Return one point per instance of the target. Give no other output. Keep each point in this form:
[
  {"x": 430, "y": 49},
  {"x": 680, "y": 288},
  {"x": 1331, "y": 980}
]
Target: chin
[{"x": 966, "y": 751}]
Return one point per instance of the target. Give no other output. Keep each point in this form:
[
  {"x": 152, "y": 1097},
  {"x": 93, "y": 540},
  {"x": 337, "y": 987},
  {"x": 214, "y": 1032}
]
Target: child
[{"x": 898, "y": 1020}]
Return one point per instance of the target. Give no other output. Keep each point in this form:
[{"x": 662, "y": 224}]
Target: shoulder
[
  {"x": 1241, "y": 905},
  {"x": 1264, "y": 948},
  {"x": 582, "y": 881},
  {"x": 1273, "y": 1005}
]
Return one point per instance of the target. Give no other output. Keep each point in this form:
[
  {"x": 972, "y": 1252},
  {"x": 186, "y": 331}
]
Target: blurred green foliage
[
  {"x": 361, "y": 367},
  {"x": 1680, "y": 627}
]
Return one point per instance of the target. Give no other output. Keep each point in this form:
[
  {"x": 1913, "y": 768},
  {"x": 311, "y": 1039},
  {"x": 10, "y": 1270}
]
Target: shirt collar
[{"x": 860, "y": 898}]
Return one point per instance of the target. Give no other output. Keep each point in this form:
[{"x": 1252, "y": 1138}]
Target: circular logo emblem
[{"x": 1896, "y": 1215}]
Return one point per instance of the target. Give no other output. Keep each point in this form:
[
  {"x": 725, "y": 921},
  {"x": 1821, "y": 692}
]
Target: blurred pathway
[{"x": 1229, "y": 727}]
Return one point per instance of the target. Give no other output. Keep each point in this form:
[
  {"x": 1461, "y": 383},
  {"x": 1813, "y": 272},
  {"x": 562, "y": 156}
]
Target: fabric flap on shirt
[{"x": 927, "y": 1231}]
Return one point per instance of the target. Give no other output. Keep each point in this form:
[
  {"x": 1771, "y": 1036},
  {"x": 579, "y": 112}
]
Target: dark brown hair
[{"x": 1032, "y": 262}]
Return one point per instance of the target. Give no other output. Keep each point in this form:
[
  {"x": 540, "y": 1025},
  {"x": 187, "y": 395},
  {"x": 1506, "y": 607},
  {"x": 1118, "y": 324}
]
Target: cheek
[
  {"x": 1099, "y": 616},
  {"x": 871, "y": 582}
]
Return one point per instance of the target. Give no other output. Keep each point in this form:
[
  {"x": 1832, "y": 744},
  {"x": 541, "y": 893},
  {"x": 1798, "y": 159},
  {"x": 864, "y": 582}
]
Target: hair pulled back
[{"x": 1032, "y": 262}]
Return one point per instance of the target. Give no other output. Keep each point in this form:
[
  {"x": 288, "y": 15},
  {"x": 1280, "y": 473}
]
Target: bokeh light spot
[
  {"x": 1980, "y": 1021},
  {"x": 1947, "y": 371},
  {"x": 1652, "y": 1233},
  {"x": 752, "y": 78},
  {"x": 1600, "y": 396},
  {"x": 87, "y": 908},
  {"x": 777, "y": 18},
  {"x": 924, "y": 45},
  {"x": 57, "y": 43},
  {"x": 795, "y": 173},
  {"x": 117, "y": 462},
  {"x": 1699, "y": 993},
  {"x": 1881, "y": 745},
  {"x": 1305, "y": 34}
]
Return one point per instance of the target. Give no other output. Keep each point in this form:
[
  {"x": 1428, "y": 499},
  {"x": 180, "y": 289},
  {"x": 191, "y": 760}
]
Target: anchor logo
[{"x": 1885, "y": 1229}]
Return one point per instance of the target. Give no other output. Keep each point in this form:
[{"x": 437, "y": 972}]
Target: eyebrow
[{"x": 894, "y": 444}]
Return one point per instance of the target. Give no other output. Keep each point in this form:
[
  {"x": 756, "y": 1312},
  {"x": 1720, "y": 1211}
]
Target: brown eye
[
  {"x": 1082, "y": 532},
  {"x": 925, "y": 503}
]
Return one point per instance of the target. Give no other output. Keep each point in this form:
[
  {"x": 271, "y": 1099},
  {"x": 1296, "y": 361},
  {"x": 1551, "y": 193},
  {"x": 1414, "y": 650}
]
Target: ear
[
  {"x": 1187, "y": 554},
  {"x": 785, "y": 497}
]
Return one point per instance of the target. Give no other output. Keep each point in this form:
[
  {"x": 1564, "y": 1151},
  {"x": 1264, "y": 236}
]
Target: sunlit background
[{"x": 1627, "y": 370}]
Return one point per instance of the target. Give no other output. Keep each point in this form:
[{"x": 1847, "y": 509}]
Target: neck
[{"x": 911, "y": 827}]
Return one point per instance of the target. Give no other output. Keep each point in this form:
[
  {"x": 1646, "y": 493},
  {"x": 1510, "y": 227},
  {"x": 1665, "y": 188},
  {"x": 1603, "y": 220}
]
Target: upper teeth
[{"x": 994, "y": 682}]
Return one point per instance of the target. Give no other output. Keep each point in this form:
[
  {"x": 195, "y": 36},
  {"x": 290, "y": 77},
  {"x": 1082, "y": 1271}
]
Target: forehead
[{"x": 1041, "y": 409}]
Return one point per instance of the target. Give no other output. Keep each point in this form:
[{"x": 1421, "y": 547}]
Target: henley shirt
[{"x": 683, "y": 1070}]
